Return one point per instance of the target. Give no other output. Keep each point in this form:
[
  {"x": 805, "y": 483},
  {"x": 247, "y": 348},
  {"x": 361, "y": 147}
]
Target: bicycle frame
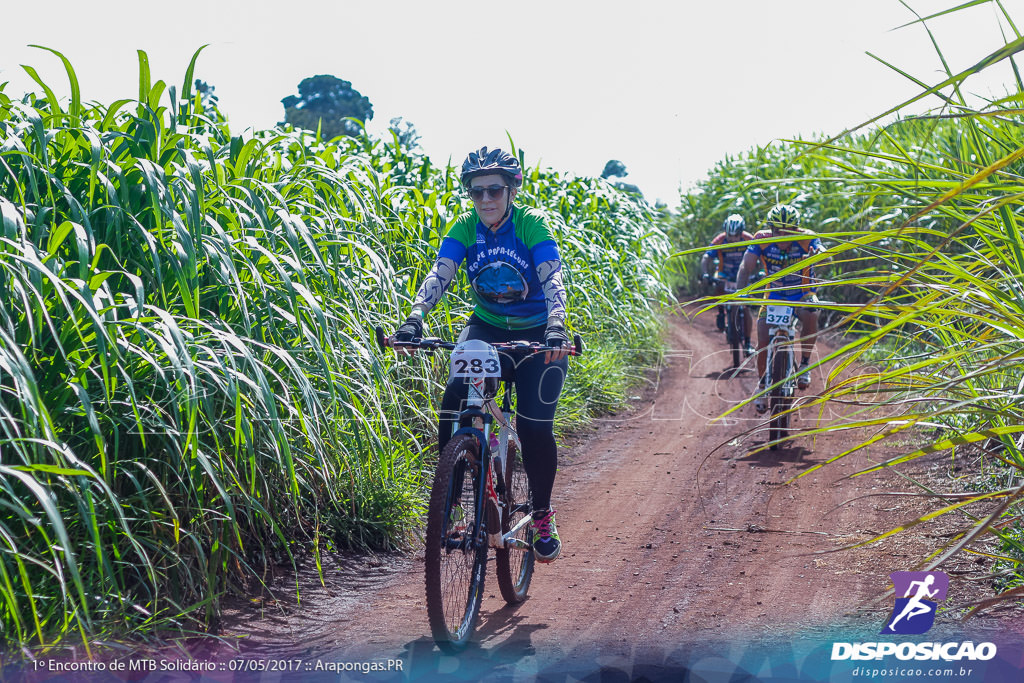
[
  {"x": 781, "y": 335},
  {"x": 476, "y": 418},
  {"x": 780, "y": 380},
  {"x": 500, "y": 460}
]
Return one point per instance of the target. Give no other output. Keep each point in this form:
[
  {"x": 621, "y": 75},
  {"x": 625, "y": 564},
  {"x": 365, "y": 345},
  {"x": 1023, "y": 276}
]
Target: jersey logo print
[{"x": 501, "y": 283}]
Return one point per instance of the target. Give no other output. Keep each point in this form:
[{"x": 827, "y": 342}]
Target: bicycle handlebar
[{"x": 431, "y": 343}]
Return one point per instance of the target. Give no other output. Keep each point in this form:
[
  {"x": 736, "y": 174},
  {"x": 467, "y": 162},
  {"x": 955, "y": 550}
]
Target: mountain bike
[
  {"x": 734, "y": 326},
  {"x": 779, "y": 368},
  {"x": 781, "y": 360},
  {"x": 480, "y": 497}
]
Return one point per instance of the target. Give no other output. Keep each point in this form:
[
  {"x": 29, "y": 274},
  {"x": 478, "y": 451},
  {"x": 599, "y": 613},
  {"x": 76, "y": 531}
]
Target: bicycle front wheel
[
  {"x": 735, "y": 334},
  {"x": 779, "y": 403},
  {"x": 514, "y": 563},
  {"x": 455, "y": 557}
]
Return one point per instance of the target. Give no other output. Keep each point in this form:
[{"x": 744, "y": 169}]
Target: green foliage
[
  {"x": 923, "y": 218},
  {"x": 1009, "y": 564},
  {"x": 190, "y": 392},
  {"x": 615, "y": 253},
  {"x": 327, "y": 105},
  {"x": 405, "y": 132}
]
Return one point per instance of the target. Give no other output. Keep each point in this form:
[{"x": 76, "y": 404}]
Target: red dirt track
[{"x": 673, "y": 537}]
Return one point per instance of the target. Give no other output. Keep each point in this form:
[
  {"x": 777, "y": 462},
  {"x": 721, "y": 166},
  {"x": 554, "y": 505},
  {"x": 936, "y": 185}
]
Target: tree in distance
[
  {"x": 327, "y": 102},
  {"x": 207, "y": 97},
  {"x": 405, "y": 132},
  {"x": 614, "y": 169},
  {"x": 208, "y": 107}
]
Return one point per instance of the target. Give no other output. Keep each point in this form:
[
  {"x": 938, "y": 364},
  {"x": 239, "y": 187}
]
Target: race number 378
[{"x": 779, "y": 315}]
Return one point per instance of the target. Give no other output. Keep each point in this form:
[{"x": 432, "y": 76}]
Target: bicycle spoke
[
  {"x": 513, "y": 566},
  {"x": 454, "y": 560}
]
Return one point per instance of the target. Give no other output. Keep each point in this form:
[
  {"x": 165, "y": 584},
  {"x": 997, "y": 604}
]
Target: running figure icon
[
  {"x": 920, "y": 593},
  {"x": 914, "y": 606}
]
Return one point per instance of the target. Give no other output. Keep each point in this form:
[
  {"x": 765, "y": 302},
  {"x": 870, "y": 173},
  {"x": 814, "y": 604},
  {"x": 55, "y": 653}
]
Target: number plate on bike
[
  {"x": 779, "y": 315},
  {"x": 474, "y": 358}
]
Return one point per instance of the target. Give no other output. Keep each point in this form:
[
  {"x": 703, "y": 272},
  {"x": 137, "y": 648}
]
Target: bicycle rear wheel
[
  {"x": 455, "y": 559},
  {"x": 778, "y": 402},
  {"x": 514, "y": 565}
]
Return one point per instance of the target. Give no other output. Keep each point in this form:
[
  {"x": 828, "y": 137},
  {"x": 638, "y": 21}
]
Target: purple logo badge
[{"x": 917, "y": 595}]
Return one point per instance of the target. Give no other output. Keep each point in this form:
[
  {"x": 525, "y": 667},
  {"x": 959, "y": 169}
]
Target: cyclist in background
[
  {"x": 516, "y": 276},
  {"x": 729, "y": 259},
  {"x": 784, "y": 220}
]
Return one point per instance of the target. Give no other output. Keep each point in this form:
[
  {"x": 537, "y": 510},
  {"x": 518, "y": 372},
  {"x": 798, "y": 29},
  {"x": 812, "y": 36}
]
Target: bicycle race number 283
[
  {"x": 779, "y": 315},
  {"x": 475, "y": 363}
]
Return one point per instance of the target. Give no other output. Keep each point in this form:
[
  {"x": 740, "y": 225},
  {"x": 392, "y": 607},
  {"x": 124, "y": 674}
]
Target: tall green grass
[
  {"x": 923, "y": 217},
  {"x": 189, "y": 390}
]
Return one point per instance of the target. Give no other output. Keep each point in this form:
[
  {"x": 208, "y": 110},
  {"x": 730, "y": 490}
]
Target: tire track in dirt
[{"x": 671, "y": 536}]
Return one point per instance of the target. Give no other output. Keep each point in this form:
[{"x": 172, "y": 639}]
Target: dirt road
[{"x": 675, "y": 541}]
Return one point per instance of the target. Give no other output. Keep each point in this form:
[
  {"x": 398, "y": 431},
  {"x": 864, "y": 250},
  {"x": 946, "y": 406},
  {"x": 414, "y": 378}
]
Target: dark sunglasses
[{"x": 493, "y": 192}]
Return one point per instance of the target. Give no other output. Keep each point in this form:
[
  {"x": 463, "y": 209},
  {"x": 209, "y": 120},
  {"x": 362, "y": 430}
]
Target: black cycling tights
[{"x": 537, "y": 389}]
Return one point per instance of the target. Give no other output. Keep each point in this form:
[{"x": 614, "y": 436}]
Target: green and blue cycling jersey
[{"x": 502, "y": 265}]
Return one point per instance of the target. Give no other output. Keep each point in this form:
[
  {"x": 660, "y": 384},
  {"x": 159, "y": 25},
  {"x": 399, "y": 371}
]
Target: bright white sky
[{"x": 667, "y": 87}]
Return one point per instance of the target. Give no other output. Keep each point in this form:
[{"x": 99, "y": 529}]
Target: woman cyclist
[{"x": 516, "y": 275}]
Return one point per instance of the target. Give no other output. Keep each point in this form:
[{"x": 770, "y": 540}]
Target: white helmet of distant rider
[
  {"x": 783, "y": 217},
  {"x": 734, "y": 225}
]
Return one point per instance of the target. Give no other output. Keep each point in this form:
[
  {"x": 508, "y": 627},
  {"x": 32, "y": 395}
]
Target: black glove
[
  {"x": 411, "y": 329},
  {"x": 555, "y": 335}
]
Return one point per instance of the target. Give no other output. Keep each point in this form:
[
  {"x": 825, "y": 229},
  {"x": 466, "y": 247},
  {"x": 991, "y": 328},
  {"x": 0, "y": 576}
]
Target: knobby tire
[
  {"x": 514, "y": 566},
  {"x": 735, "y": 335},
  {"x": 779, "y": 403},
  {"x": 455, "y": 562}
]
